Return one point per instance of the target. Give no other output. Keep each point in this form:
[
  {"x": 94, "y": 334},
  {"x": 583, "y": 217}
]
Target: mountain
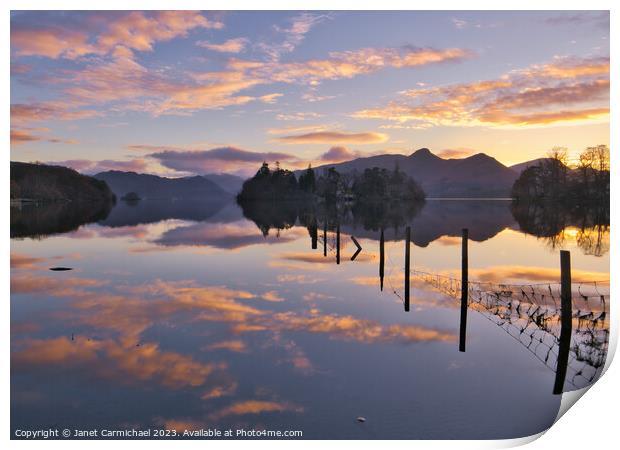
[
  {"x": 518, "y": 168},
  {"x": 42, "y": 182},
  {"x": 476, "y": 176},
  {"x": 230, "y": 183},
  {"x": 153, "y": 186}
]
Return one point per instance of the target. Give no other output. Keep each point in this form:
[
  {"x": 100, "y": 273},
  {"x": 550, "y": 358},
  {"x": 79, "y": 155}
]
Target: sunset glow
[{"x": 184, "y": 92}]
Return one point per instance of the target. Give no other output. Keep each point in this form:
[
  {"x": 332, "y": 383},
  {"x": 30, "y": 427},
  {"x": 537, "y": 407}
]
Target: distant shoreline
[{"x": 495, "y": 199}]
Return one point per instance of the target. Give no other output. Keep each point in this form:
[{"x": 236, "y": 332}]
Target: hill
[
  {"x": 476, "y": 176},
  {"x": 230, "y": 183},
  {"x": 153, "y": 186},
  {"x": 40, "y": 182}
]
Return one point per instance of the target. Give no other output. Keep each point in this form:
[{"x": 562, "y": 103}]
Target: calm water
[{"x": 194, "y": 316}]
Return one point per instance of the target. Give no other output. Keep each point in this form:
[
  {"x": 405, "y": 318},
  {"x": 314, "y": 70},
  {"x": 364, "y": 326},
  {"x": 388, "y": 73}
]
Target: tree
[
  {"x": 307, "y": 181},
  {"x": 553, "y": 180}
]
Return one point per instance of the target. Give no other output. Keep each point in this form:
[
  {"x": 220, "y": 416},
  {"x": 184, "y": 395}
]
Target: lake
[{"x": 211, "y": 316}]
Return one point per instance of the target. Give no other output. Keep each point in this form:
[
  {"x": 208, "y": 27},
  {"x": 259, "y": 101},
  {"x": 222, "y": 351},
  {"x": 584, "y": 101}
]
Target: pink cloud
[
  {"x": 333, "y": 137},
  {"x": 134, "y": 30},
  {"x": 338, "y": 154},
  {"x": 217, "y": 159}
]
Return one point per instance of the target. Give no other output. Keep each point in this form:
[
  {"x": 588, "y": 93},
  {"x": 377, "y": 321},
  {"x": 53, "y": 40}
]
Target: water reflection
[
  {"x": 38, "y": 220},
  {"x": 217, "y": 320},
  {"x": 432, "y": 221},
  {"x": 588, "y": 223}
]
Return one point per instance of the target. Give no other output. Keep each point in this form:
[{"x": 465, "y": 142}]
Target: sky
[{"x": 178, "y": 93}]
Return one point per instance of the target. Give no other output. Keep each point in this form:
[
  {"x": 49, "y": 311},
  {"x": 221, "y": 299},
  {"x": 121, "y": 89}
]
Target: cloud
[
  {"x": 565, "y": 90},
  {"x": 299, "y": 129},
  {"x": 338, "y": 154},
  {"x": 22, "y": 113},
  {"x": 108, "y": 76},
  {"x": 19, "y": 261},
  {"x": 459, "y": 24},
  {"x": 600, "y": 19},
  {"x": 292, "y": 35},
  {"x": 217, "y": 159},
  {"x": 230, "y": 46},
  {"x": 102, "y": 32},
  {"x": 254, "y": 407},
  {"x": 348, "y": 64},
  {"x": 272, "y": 296},
  {"x": 118, "y": 359},
  {"x": 519, "y": 274},
  {"x": 19, "y": 68},
  {"x": 234, "y": 345},
  {"x": 128, "y": 85},
  {"x": 230, "y": 236},
  {"x": 314, "y": 97},
  {"x": 333, "y": 137},
  {"x": 51, "y": 42},
  {"x": 455, "y": 153},
  {"x": 270, "y": 98},
  {"x": 19, "y": 137}
]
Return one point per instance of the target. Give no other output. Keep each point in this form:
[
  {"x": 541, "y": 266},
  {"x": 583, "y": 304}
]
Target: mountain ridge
[
  {"x": 479, "y": 175},
  {"x": 154, "y": 186}
]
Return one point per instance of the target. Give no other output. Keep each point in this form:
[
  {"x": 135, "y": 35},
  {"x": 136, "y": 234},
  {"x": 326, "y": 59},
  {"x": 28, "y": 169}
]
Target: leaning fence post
[
  {"x": 566, "y": 319},
  {"x": 464, "y": 289},
  {"x": 407, "y": 265}
]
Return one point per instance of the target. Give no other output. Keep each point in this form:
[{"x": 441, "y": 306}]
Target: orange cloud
[
  {"x": 272, "y": 296},
  {"x": 24, "y": 261},
  {"x": 134, "y": 30},
  {"x": 536, "y": 96},
  {"x": 351, "y": 328},
  {"x": 338, "y": 154},
  {"x": 456, "y": 153},
  {"x": 22, "y": 114},
  {"x": 50, "y": 42},
  {"x": 298, "y": 129},
  {"x": 507, "y": 274},
  {"x": 230, "y": 46},
  {"x": 115, "y": 359},
  {"x": 349, "y": 64},
  {"x": 254, "y": 407},
  {"x": 235, "y": 345},
  {"x": 315, "y": 258},
  {"x": 19, "y": 137},
  {"x": 334, "y": 137}
]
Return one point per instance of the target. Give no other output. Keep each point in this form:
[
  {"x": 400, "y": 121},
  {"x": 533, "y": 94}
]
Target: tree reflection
[
  {"x": 372, "y": 216},
  {"x": 588, "y": 225}
]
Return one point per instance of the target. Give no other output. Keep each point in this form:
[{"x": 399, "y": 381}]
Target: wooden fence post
[
  {"x": 407, "y": 265},
  {"x": 566, "y": 320},
  {"x": 338, "y": 244},
  {"x": 381, "y": 259},
  {"x": 314, "y": 234},
  {"x": 464, "y": 289}
]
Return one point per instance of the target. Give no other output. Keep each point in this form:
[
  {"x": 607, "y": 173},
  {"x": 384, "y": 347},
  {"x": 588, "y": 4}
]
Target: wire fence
[{"x": 531, "y": 314}]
